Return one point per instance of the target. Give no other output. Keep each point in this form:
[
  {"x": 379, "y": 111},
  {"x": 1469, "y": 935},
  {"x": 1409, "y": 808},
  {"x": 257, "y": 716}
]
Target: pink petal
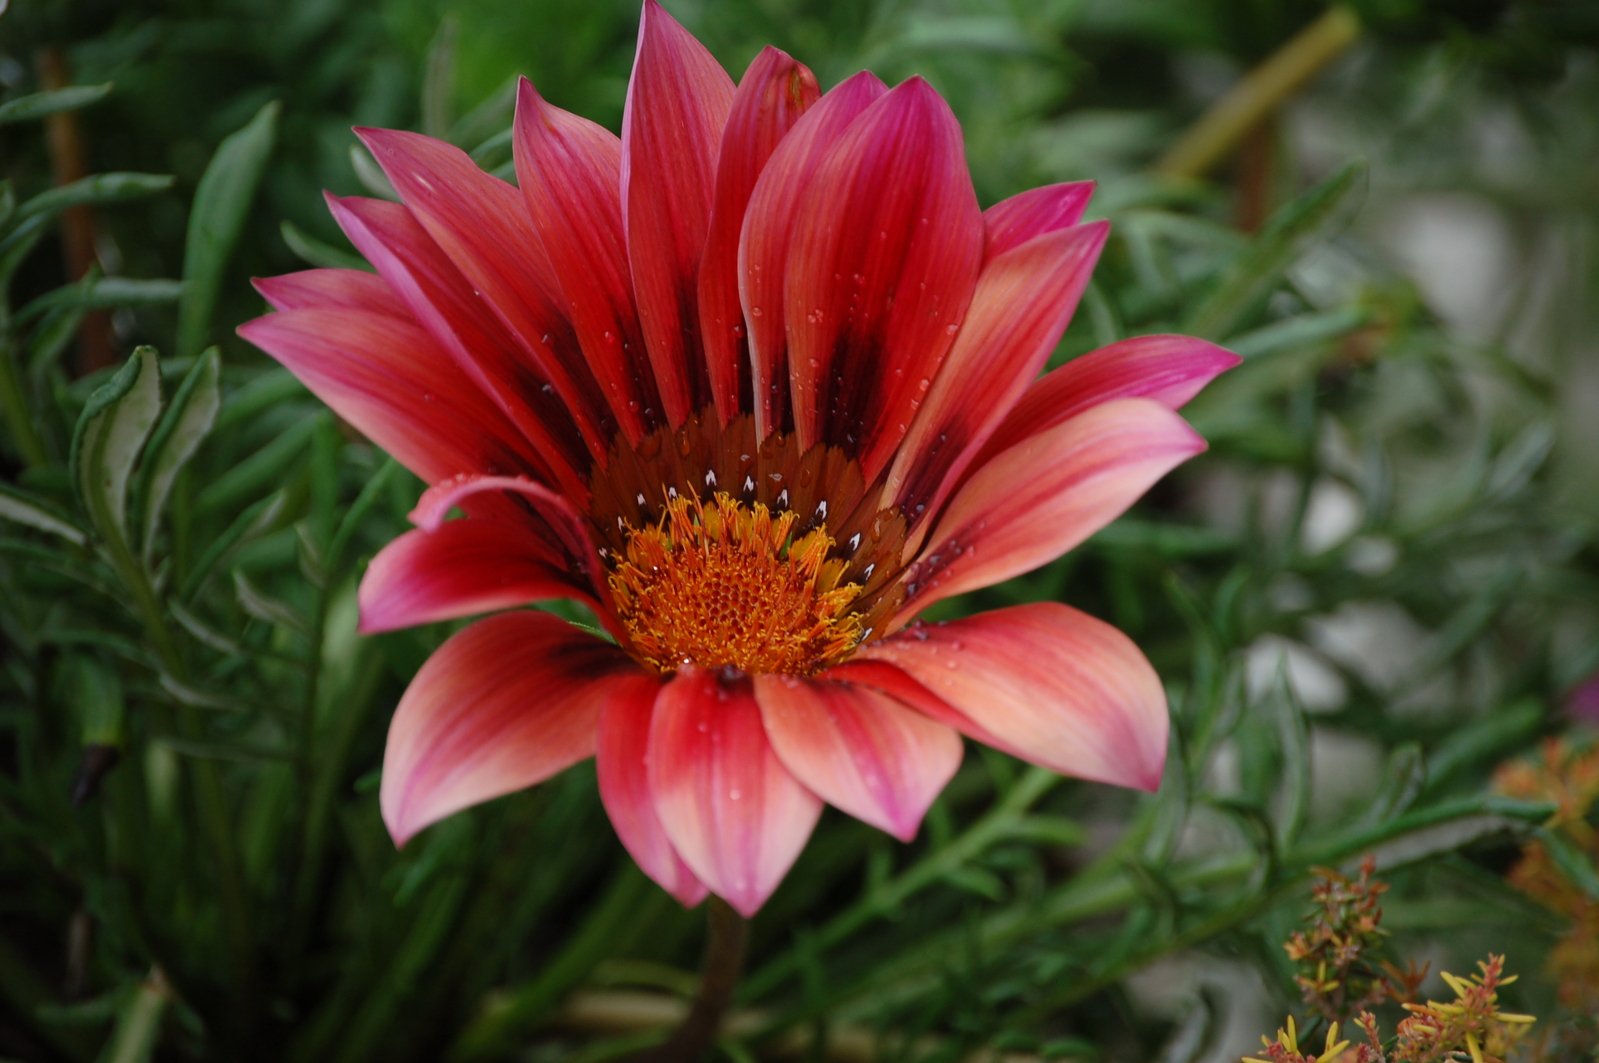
[
  {"x": 352, "y": 289},
  {"x": 763, "y": 254},
  {"x": 502, "y": 705},
  {"x": 570, "y": 171},
  {"x": 1037, "y": 500},
  {"x": 883, "y": 263},
  {"x": 460, "y": 568},
  {"x": 1024, "y": 301},
  {"x": 731, "y": 809},
  {"x": 623, "y": 763},
  {"x": 677, "y": 104},
  {"x": 388, "y": 379},
  {"x": 1043, "y": 682},
  {"x": 483, "y": 350},
  {"x": 551, "y": 517},
  {"x": 1012, "y": 222},
  {"x": 481, "y": 224},
  {"x": 775, "y": 91},
  {"x": 858, "y": 749},
  {"x": 1168, "y": 369}
]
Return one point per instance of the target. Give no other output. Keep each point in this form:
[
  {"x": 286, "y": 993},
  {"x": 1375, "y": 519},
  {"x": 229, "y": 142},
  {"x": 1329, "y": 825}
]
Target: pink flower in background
[{"x": 757, "y": 382}]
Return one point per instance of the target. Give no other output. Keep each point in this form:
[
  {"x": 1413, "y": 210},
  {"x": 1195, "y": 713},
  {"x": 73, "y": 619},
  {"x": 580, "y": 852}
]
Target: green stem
[
  {"x": 15, "y": 406},
  {"x": 969, "y": 845},
  {"x": 1264, "y": 89},
  {"x": 726, "y": 940}
]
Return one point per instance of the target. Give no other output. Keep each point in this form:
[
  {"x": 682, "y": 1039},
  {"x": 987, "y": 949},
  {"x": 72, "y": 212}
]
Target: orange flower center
[{"x": 722, "y": 583}]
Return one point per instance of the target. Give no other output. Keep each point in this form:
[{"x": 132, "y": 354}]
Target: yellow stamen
[{"x": 721, "y": 583}]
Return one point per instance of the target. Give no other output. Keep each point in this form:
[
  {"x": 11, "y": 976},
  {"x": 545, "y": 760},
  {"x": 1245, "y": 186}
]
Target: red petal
[
  {"x": 775, "y": 91},
  {"x": 570, "y": 172},
  {"x": 484, "y": 351},
  {"x": 1037, "y": 500},
  {"x": 1168, "y": 369},
  {"x": 763, "y": 256},
  {"x": 1012, "y": 222},
  {"x": 677, "y": 104},
  {"x": 549, "y": 515},
  {"x": 388, "y": 379},
  {"x": 733, "y": 812},
  {"x": 502, "y": 705},
  {"x": 623, "y": 763},
  {"x": 481, "y": 224},
  {"x": 352, "y": 289},
  {"x": 1025, "y": 299},
  {"x": 859, "y": 749},
  {"x": 882, "y": 266},
  {"x": 460, "y": 568},
  {"x": 1043, "y": 682}
]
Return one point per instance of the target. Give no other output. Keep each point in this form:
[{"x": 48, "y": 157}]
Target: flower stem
[
  {"x": 727, "y": 936},
  {"x": 1264, "y": 89}
]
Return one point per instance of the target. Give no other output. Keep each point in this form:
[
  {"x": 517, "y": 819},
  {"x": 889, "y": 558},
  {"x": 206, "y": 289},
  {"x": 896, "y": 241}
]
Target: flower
[{"x": 755, "y": 382}]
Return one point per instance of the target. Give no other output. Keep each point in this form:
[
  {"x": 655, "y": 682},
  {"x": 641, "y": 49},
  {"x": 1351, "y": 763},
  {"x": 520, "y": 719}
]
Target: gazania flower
[{"x": 755, "y": 382}]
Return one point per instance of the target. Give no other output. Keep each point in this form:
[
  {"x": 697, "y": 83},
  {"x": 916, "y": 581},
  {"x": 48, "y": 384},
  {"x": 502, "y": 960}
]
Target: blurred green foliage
[{"x": 1399, "y": 506}]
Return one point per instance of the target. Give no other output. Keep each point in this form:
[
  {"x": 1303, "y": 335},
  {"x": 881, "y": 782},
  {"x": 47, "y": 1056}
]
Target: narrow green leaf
[
  {"x": 188, "y": 418},
  {"x": 100, "y": 188},
  {"x": 25, "y": 508},
  {"x": 266, "y": 466},
  {"x": 95, "y": 696},
  {"x": 221, "y": 203},
  {"x": 8, "y": 203},
  {"x": 370, "y": 174},
  {"x": 1293, "y": 792},
  {"x": 438, "y": 78},
  {"x": 139, "y": 1022},
  {"x": 316, "y": 252},
  {"x": 1244, "y": 285},
  {"x": 19, "y": 243},
  {"x": 264, "y": 607},
  {"x": 1575, "y": 864},
  {"x": 109, "y": 435},
  {"x": 254, "y": 521},
  {"x": 39, "y": 104},
  {"x": 100, "y": 292}
]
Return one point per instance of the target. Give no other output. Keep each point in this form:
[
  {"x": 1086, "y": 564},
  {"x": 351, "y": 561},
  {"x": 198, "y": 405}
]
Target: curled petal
[
  {"x": 502, "y": 705},
  {"x": 460, "y": 568},
  {"x": 677, "y": 104},
  {"x": 622, "y": 760},
  {"x": 732, "y": 810},
  {"x": 859, "y": 749},
  {"x": 1043, "y": 496},
  {"x": 1043, "y": 682},
  {"x": 1168, "y": 369}
]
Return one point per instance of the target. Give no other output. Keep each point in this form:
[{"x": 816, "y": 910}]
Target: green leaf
[
  {"x": 25, "y": 508},
  {"x": 18, "y": 243},
  {"x": 95, "y": 694},
  {"x": 221, "y": 203},
  {"x": 1244, "y": 285},
  {"x": 255, "y": 520},
  {"x": 99, "y": 292},
  {"x": 108, "y": 438},
  {"x": 188, "y": 418},
  {"x": 316, "y": 252},
  {"x": 264, "y": 607},
  {"x": 438, "y": 76},
  {"x": 39, "y": 104},
  {"x": 370, "y": 174},
  {"x": 101, "y": 188},
  {"x": 1575, "y": 864},
  {"x": 139, "y": 1022}
]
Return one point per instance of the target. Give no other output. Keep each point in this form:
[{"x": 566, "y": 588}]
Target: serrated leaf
[
  {"x": 1245, "y": 284},
  {"x": 39, "y": 104},
  {"x": 221, "y": 203},
  {"x": 188, "y": 418},
  {"x": 109, "y": 435},
  {"x": 24, "y": 508},
  {"x": 100, "y": 188}
]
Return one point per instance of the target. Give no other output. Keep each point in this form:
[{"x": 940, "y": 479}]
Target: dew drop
[
  {"x": 755, "y": 311},
  {"x": 735, "y": 794}
]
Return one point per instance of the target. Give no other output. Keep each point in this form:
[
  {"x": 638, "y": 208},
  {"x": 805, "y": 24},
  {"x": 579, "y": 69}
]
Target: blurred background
[{"x": 1380, "y": 584}]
